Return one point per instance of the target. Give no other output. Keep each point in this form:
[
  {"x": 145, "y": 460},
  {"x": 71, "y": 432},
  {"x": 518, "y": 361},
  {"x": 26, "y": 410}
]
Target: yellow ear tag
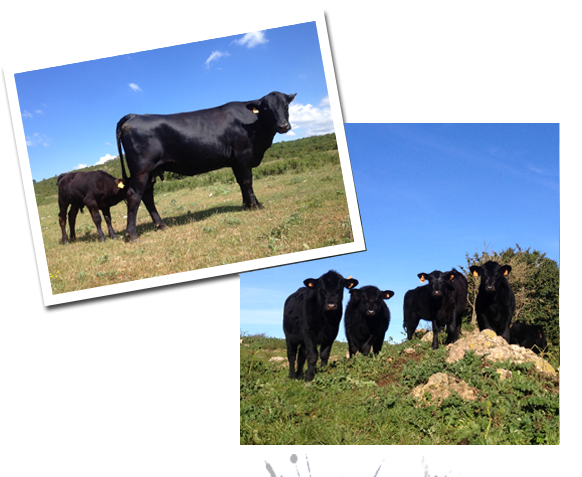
[
  {"x": 255, "y": 110},
  {"x": 121, "y": 185}
]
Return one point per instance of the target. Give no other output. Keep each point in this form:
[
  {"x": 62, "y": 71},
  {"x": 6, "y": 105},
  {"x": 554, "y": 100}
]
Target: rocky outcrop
[
  {"x": 440, "y": 386},
  {"x": 494, "y": 348}
]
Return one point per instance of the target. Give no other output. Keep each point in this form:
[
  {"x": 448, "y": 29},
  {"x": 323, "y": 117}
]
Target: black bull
[{"x": 235, "y": 135}]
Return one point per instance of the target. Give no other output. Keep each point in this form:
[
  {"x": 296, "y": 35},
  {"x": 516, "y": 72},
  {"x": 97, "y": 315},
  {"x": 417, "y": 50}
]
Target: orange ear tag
[
  {"x": 475, "y": 274},
  {"x": 255, "y": 110},
  {"x": 422, "y": 279}
]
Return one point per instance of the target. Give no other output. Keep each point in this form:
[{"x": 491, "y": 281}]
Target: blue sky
[
  {"x": 70, "y": 112},
  {"x": 428, "y": 194}
]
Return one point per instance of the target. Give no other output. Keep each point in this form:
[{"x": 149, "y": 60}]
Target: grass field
[
  {"x": 300, "y": 186},
  {"x": 367, "y": 400}
]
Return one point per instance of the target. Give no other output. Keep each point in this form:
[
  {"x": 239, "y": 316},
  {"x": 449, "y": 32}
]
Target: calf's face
[
  {"x": 491, "y": 274},
  {"x": 370, "y": 298},
  {"x": 439, "y": 281},
  {"x": 330, "y": 289}
]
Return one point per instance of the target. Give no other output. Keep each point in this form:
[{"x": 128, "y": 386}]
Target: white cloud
[
  {"x": 313, "y": 121},
  {"x": 252, "y": 39},
  {"x": 104, "y": 159},
  {"x": 134, "y": 87},
  {"x": 215, "y": 55},
  {"x": 38, "y": 140},
  {"x": 80, "y": 166},
  {"x": 39, "y": 111},
  {"x": 26, "y": 114}
]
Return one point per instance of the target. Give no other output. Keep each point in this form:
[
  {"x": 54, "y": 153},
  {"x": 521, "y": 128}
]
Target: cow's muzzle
[
  {"x": 330, "y": 306},
  {"x": 282, "y": 128},
  {"x": 371, "y": 312}
]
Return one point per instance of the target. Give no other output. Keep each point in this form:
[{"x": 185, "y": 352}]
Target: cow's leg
[
  {"x": 435, "y": 335},
  {"x": 63, "y": 221},
  {"x": 291, "y": 354},
  {"x": 107, "y": 216},
  {"x": 453, "y": 329},
  {"x": 137, "y": 186},
  {"x": 505, "y": 331},
  {"x": 244, "y": 177},
  {"x": 367, "y": 346},
  {"x": 324, "y": 352},
  {"x": 411, "y": 321},
  {"x": 311, "y": 355},
  {"x": 97, "y": 220},
  {"x": 300, "y": 361},
  {"x": 72, "y": 219},
  {"x": 378, "y": 343},
  {"x": 148, "y": 200},
  {"x": 352, "y": 347},
  {"x": 483, "y": 322}
]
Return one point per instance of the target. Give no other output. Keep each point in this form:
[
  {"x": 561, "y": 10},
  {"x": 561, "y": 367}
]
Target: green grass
[
  {"x": 367, "y": 400},
  {"x": 305, "y": 207}
]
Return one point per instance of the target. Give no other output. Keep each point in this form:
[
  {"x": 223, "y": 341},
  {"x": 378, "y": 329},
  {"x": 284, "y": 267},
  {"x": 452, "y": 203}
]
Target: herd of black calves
[{"x": 312, "y": 315}]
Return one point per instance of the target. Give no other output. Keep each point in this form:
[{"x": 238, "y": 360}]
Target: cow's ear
[
  {"x": 350, "y": 283},
  {"x": 505, "y": 270},
  {"x": 387, "y": 294},
  {"x": 354, "y": 293},
  {"x": 310, "y": 282},
  {"x": 475, "y": 270},
  {"x": 253, "y": 106},
  {"x": 291, "y": 97},
  {"x": 120, "y": 183},
  {"x": 451, "y": 276},
  {"x": 422, "y": 277}
]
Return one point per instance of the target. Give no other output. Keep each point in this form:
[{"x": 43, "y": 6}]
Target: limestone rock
[
  {"x": 440, "y": 386},
  {"x": 494, "y": 348}
]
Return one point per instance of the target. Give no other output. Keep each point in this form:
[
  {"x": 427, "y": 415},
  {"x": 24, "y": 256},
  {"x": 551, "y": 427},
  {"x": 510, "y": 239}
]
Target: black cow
[
  {"x": 528, "y": 336},
  {"x": 367, "y": 319},
  {"x": 234, "y": 135},
  {"x": 495, "y": 302},
  {"x": 459, "y": 283},
  {"x": 311, "y": 317},
  {"x": 96, "y": 190},
  {"x": 438, "y": 302}
]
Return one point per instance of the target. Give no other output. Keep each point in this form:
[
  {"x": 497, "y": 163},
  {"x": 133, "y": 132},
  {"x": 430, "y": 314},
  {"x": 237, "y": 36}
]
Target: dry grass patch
[{"x": 207, "y": 226}]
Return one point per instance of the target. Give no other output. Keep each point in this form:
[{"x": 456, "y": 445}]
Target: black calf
[
  {"x": 495, "y": 302},
  {"x": 96, "y": 190},
  {"x": 367, "y": 319},
  {"x": 311, "y": 317}
]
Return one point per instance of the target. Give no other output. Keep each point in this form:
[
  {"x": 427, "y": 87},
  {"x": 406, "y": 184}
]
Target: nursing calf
[
  {"x": 96, "y": 190},
  {"x": 311, "y": 317},
  {"x": 367, "y": 319},
  {"x": 495, "y": 302}
]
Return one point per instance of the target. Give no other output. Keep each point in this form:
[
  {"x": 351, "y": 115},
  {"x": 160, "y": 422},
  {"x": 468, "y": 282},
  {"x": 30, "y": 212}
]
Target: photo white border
[{"x": 357, "y": 245}]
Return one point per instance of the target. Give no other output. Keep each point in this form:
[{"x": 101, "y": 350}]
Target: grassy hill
[
  {"x": 300, "y": 184},
  {"x": 367, "y": 400}
]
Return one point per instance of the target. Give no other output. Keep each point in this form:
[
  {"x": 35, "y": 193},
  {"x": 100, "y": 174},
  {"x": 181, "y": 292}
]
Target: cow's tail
[{"x": 118, "y": 134}]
